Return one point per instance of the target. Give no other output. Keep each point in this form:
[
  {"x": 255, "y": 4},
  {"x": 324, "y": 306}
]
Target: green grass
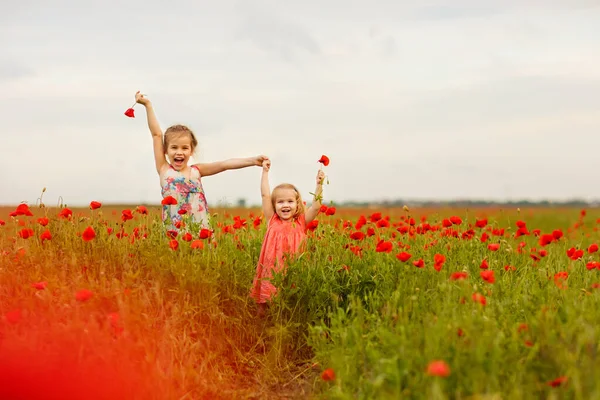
[{"x": 187, "y": 329}]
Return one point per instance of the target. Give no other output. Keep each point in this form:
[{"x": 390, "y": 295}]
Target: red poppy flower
[
  {"x": 479, "y": 298},
  {"x": 543, "y": 253},
  {"x": 370, "y": 231},
  {"x": 323, "y": 208},
  {"x": 481, "y": 223},
  {"x": 376, "y": 216},
  {"x": 419, "y": 263},
  {"x": 438, "y": 368},
  {"x": 312, "y": 225},
  {"x": 88, "y": 234},
  {"x": 126, "y": 215},
  {"x": 403, "y": 229},
  {"x": 238, "y": 222},
  {"x": 493, "y": 246},
  {"x": 509, "y": 268},
  {"x": 484, "y": 237},
  {"x": 383, "y": 223},
  {"x": 83, "y": 295},
  {"x": 560, "y": 279},
  {"x": 26, "y": 233},
  {"x": 65, "y": 213},
  {"x": 488, "y": 276},
  {"x": 187, "y": 237},
  {"x": 438, "y": 262},
  {"x": 362, "y": 221},
  {"x": 39, "y": 285},
  {"x": 169, "y": 201},
  {"x": 344, "y": 268},
  {"x": 205, "y": 233},
  {"x": 174, "y": 244},
  {"x": 404, "y": 256},
  {"x": 43, "y": 221},
  {"x": 384, "y": 247},
  {"x": 23, "y": 209},
  {"x": 592, "y": 265},
  {"x": 358, "y": 235},
  {"x": 574, "y": 254},
  {"x": 141, "y": 210},
  {"x": 130, "y": 113},
  {"x": 328, "y": 375},
  {"x": 546, "y": 239},
  {"x": 484, "y": 264},
  {"x": 330, "y": 211},
  {"x": 197, "y": 244},
  {"x": 324, "y": 160},
  {"x": 456, "y": 220},
  {"x": 94, "y": 205},
  {"x": 593, "y": 248},
  {"x": 557, "y": 381},
  {"x": 46, "y": 235},
  {"x": 458, "y": 276}
]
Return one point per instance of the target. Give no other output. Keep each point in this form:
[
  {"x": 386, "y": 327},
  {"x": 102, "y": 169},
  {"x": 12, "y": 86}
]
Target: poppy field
[{"x": 102, "y": 303}]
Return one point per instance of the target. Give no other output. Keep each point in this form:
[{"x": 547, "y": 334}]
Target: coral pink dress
[{"x": 282, "y": 238}]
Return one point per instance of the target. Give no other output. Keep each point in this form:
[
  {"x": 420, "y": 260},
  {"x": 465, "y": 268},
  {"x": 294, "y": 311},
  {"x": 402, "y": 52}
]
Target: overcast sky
[{"x": 445, "y": 99}]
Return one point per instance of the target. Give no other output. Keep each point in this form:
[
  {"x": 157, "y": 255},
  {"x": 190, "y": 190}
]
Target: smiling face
[
  {"x": 179, "y": 149},
  {"x": 287, "y": 202}
]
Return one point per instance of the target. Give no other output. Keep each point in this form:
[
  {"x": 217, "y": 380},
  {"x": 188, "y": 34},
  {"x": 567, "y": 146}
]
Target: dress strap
[{"x": 195, "y": 167}]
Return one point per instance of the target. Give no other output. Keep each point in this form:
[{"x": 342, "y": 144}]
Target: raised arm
[
  {"x": 207, "y": 169},
  {"x": 313, "y": 210},
  {"x": 265, "y": 191},
  {"x": 157, "y": 134}
]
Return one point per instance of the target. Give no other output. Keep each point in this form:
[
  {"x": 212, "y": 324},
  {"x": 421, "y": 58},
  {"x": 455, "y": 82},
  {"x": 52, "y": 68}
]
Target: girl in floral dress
[{"x": 183, "y": 195}]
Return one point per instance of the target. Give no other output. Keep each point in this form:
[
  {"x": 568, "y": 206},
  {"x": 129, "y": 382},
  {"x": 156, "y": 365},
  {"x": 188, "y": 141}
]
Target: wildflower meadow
[{"x": 101, "y": 303}]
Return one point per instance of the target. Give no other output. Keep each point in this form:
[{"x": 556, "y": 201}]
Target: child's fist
[
  {"x": 320, "y": 177},
  {"x": 139, "y": 98},
  {"x": 266, "y": 164},
  {"x": 259, "y": 160}
]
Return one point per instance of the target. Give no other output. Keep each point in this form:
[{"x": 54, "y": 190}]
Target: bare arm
[
  {"x": 207, "y": 169},
  {"x": 313, "y": 210},
  {"x": 265, "y": 191},
  {"x": 157, "y": 134}
]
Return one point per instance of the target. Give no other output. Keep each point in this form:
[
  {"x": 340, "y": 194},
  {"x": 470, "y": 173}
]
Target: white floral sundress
[{"x": 191, "y": 201}]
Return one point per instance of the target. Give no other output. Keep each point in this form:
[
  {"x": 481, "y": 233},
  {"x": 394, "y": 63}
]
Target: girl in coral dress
[{"x": 286, "y": 230}]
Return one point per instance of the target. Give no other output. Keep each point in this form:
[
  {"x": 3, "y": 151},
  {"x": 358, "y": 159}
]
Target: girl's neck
[{"x": 183, "y": 169}]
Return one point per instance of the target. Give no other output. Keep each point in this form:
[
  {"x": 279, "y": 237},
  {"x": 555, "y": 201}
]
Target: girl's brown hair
[
  {"x": 176, "y": 131},
  {"x": 300, "y": 204}
]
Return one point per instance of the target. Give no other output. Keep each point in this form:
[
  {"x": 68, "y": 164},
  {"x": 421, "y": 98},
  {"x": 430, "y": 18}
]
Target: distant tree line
[{"x": 466, "y": 203}]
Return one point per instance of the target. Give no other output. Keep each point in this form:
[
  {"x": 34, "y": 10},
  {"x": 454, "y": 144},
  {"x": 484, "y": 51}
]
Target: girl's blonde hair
[
  {"x": 300, "y": 204},
  {"x": 178, "y": 131}
]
